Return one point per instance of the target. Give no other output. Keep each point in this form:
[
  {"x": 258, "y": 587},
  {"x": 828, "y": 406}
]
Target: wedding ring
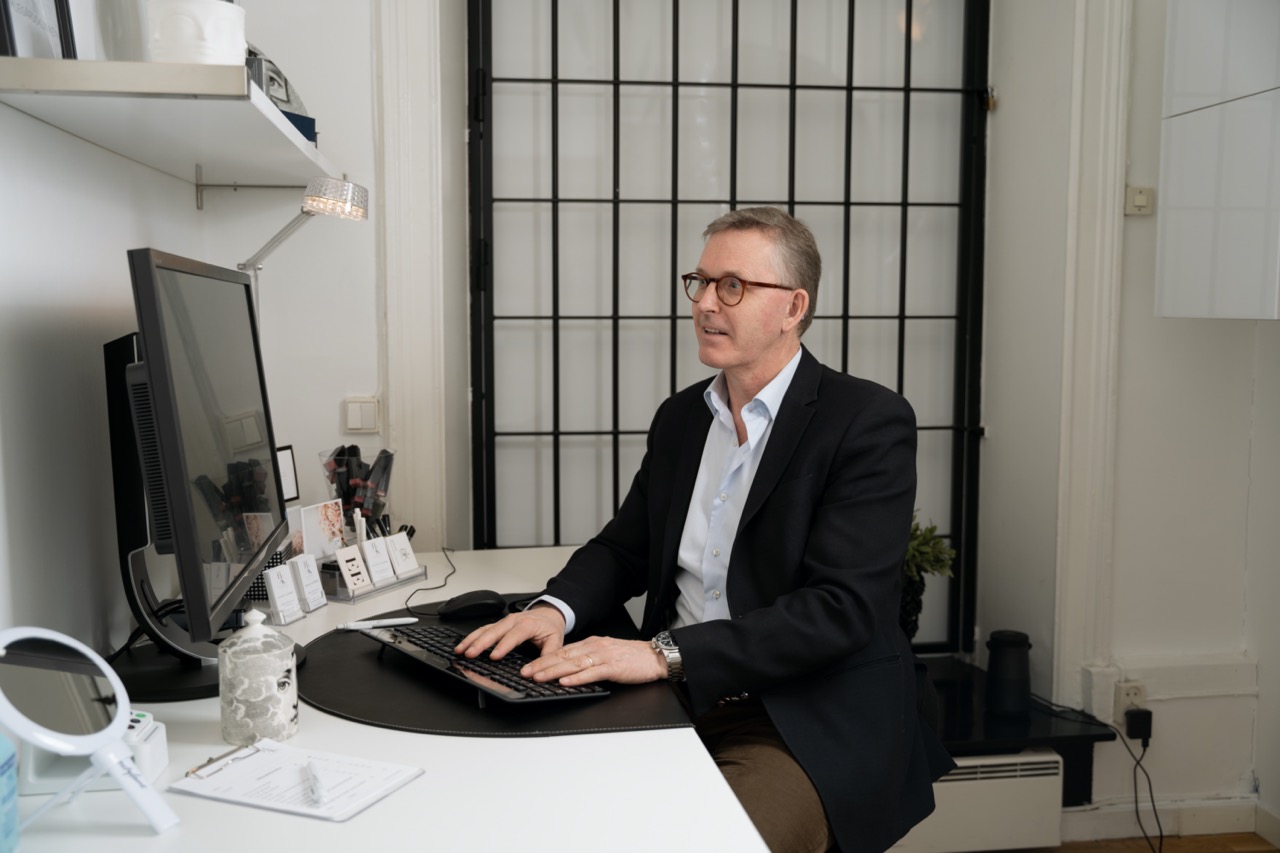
[{"x": 590, "y": 662}]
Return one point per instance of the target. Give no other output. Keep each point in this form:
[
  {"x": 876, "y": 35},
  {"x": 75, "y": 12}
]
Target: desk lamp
[{"x": 330, "y": 196}]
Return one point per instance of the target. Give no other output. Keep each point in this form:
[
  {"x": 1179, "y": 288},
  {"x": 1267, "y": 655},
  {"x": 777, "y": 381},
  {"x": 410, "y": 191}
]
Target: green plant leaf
[{"x": 927, "y": 552}]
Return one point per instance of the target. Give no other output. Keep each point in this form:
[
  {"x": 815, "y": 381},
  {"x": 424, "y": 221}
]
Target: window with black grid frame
[{"x": 605, "y": 135}]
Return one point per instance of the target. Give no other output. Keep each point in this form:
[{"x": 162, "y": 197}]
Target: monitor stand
[{"x": 153, "y": 674}]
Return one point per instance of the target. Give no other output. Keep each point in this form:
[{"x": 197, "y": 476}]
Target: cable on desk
[
  {"x": 1078, "y": 716},
  {"x": 166, "y": 609},
  {"x": 452, "y": 570}
]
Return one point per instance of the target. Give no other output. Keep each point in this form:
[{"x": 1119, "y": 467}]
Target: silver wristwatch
[{"x": 665, "y": 646}]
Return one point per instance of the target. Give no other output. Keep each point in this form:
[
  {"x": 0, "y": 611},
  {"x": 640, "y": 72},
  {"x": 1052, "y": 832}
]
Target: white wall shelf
[{"x": 169, "y": 116}]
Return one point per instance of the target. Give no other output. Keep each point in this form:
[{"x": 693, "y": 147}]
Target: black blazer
[{"x": 813, "y": 584}]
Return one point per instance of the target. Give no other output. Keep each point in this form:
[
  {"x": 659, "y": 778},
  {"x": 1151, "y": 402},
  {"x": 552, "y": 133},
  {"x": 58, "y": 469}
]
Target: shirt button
[
  {"x": 724, "y": 496},
  {"x": 715, "y": 593},
  {"x": 715, "y": 552}
]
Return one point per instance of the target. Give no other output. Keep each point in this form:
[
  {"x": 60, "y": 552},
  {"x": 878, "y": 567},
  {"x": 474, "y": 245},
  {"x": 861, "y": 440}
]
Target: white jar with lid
[{"x": 258, "y": 684}]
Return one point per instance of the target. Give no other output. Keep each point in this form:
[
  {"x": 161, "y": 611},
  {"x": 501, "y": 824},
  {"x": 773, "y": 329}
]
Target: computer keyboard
[{"x": 434, "y": 645}]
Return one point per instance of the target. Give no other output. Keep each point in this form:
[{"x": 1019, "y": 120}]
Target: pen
[
  {"x": 377, "y": 623},
  {"x": 319, "y": 793}
]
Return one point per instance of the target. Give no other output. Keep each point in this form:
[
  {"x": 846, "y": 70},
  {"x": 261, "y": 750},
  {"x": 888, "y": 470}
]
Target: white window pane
[
  {"x": 878, "y": 40},
  {"x": 823, "y": 340},
  {"x": 522, "y": 400},
  {"x": 586, "y": 376},
  {"x": 763, "y": 147},
  {"x": 586, "y": 40},
  {"x": 827, "y": 224},
  {"x": 932, "y": 234},
  {"x": 877, "y": 146},
  {"x": 521, "y": 140},
  {"x": 928, "y": 370},
  {"x": 521, "y": 259},
  {"x": 764, "y": 41},
  {"x": 646, "y": 282},
  {"x": 586, "y": 259},
  {"x": 522, "y": 38},
  {"x": 691, "y": 221},
  {"x": 933, "y": 615},
  {"x": 933, "y": 477},
  {"x": 873, "y": 351},
  {"x": 644, "y": 369},
  {"x": 935, "y": 147},
  {"x": 586, "y": 142},
  {"x": 820, "y": 139},
  {"x": 822, "y": 34},
  {"x": 937, "y": 43},
  {"x": 706, "y": 40},
  {"x": 524, "y": 491},
  {"x": 704, "y": 143},
  {"x": 586, "y": 486},
  {"x": 645, "y": 52},
  {"x": 644, "y": 143},
  {"x": 688, "y": 368},
  {"x": 874, "y": 250},
  {"x": 630, "y": 454}
]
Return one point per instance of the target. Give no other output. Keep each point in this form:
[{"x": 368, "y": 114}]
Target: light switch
[
  {"x": 360, "y": 414},
  {"x": 1139, "y": 201}
]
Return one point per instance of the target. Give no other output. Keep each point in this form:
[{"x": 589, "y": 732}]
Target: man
[{"x": 767, "y": 525}]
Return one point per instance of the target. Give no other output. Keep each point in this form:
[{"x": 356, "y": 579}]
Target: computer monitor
[{"x": 194, "y": 468}]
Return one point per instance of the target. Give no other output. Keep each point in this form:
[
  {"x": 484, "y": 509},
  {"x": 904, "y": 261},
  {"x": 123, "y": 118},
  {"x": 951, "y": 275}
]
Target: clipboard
[{"x": 270, "y": 775}]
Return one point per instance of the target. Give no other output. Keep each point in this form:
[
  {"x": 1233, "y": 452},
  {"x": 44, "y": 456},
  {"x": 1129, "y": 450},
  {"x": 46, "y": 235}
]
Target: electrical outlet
[{"x": 1129, "y": 694}]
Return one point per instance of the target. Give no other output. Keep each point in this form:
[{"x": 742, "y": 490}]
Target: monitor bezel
[{"x": 205, "y": 618}]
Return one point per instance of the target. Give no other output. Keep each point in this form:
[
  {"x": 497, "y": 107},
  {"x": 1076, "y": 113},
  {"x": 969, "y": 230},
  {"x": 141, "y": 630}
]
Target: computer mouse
[{"x": 477, "y": 604}]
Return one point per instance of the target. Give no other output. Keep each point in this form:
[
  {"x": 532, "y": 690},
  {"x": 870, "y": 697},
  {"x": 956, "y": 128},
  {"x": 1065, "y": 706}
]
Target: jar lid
[{"x": 256, "y": 636}]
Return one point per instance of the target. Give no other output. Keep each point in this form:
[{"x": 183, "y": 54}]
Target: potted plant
[{"x": 927, "y": 554}]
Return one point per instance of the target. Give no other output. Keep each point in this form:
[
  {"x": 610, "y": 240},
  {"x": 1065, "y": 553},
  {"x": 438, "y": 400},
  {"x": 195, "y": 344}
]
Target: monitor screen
[{"x": 205, "y": 446}]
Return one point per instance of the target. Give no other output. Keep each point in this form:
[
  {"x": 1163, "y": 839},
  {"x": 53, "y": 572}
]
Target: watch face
[{"x": 664, "y": 641}]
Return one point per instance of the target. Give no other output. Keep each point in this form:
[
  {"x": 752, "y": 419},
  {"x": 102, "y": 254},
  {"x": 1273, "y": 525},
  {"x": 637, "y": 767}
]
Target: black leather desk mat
[{"x": 345, "y": 677}]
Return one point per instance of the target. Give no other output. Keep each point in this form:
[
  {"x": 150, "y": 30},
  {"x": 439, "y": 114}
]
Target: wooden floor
[{"x": 1237, "y": 843}]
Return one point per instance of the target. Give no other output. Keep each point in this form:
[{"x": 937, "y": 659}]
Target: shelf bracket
[{"x": 201, "y": 186}]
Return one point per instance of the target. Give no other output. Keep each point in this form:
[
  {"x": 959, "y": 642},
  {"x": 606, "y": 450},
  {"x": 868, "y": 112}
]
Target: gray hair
[{"x": 797, "y": 251}]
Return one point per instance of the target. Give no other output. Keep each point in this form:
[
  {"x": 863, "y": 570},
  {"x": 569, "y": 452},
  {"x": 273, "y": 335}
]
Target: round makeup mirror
[{"x": 61, "y": 696}]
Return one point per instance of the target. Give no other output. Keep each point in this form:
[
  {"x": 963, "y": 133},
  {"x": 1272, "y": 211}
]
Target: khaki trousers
[{"x": 771, "y": 785}]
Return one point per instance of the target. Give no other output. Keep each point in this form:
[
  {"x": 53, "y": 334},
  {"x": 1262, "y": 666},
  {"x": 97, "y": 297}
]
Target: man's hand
[
  {"x": 599, "y": 659},
  {"x": 542, "y": 624}
]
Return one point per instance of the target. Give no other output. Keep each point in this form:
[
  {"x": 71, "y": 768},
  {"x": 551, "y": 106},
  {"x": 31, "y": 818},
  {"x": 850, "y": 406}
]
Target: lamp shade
[{"x": 334, "y": 197}]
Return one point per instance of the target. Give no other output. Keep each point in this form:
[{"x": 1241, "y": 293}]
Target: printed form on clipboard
[{"x": 269, "y": 775}]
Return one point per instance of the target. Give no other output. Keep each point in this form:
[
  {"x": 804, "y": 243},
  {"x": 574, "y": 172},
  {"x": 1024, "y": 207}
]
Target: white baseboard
[
  {"x": 1267, "y": 824},
  {"x": 1191, "y": 817}
]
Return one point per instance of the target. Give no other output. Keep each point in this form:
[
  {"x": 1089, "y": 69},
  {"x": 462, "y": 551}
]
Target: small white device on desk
[{"x": 37, "y": 667}]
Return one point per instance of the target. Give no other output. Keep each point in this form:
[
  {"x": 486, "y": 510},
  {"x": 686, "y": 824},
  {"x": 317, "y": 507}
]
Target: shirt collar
[{"x": 767, "y": 402}]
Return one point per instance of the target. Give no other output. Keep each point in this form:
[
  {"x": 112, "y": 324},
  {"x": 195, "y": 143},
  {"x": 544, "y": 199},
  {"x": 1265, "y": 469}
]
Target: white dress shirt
[{"x": 724, "y": 480}]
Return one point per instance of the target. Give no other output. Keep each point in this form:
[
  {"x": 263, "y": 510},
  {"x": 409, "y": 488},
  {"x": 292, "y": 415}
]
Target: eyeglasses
[{"x": 729, "y": 289}]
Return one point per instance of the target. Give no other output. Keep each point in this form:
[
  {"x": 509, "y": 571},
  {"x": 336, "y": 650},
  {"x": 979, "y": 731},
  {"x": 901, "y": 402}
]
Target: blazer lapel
[{"x": 792, "y": 420}]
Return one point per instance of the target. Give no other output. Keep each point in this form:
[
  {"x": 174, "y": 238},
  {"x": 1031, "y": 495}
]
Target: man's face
[{"x": 760, "y": 329}]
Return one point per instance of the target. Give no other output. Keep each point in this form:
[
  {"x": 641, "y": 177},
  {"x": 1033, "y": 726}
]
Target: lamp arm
[{"x": 256, "y": 259}]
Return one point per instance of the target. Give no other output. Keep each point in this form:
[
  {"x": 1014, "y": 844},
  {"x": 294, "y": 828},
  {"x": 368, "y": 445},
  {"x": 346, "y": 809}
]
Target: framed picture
[
  {"x": 288, "y": 472},
  {"x": 36, "y": 29},
  {"x": 322, "y": 533}
]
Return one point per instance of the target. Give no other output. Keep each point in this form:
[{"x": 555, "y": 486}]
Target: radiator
[{"x": 994, "y": 802}]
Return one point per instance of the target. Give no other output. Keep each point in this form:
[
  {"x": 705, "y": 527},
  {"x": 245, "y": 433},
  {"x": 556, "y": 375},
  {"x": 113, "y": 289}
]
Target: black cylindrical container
[{"x": 1008, "y": 673}]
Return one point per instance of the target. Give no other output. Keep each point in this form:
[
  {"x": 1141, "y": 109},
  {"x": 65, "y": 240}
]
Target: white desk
[{"x": 626, "y": 791}]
